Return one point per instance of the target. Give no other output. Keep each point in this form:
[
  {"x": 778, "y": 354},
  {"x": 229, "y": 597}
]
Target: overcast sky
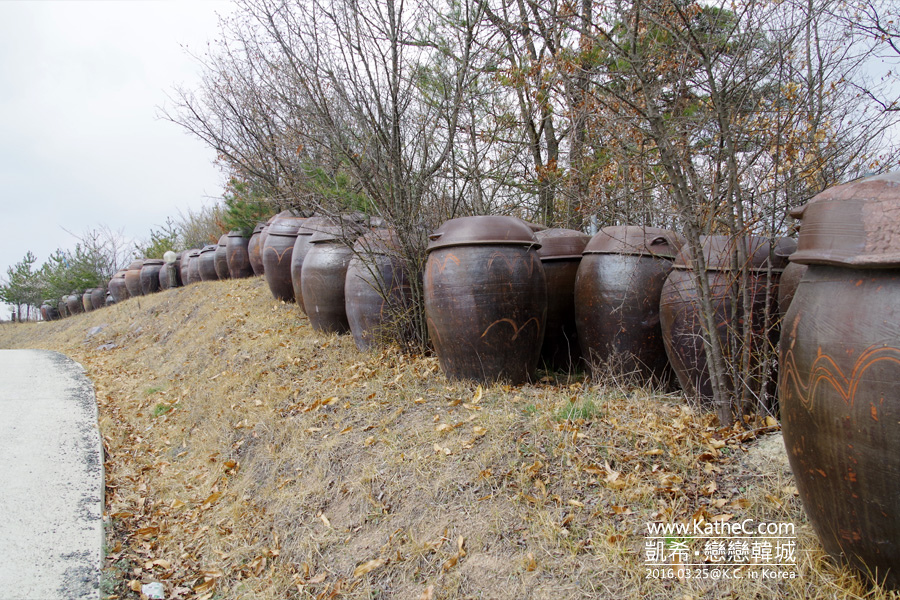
[{"x": 81, "y": 144}]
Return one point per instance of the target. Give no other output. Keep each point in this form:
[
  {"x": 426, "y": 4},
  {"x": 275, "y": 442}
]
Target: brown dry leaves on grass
[{"x": 251, "y": 457}]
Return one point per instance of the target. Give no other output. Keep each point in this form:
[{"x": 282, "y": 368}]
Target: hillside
[{"x": 251, "y": 457}]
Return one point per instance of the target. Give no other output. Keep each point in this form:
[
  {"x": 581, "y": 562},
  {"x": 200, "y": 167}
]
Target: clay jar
[
  {"x": 485, "y": 299},
  {"x": 254, "y": 250},
  {"x": 376, "y": 290},
  {"x": 98, "y": 297},
  {"x": 74, "y": 304},
  {"x": 617, "y": 294},
  {"x": 50, "y": 311},
  {"x": 133, "y": 278},
  {"x": 839, "y": 386},
  {"x": 237, "y": 256},
  {"x": 193, "y": 266},
  {"x": 560, "y": 255},
  {"x": 63, "y": 307},
  {"x": 302, "y": 247},
  {"x": 117, "y": 287},
  {"x": 276, "y": 253},
  {"x": 86, "y": 300},
  {"x": 681, "y": 317},
  {"x": 150, "y": 275},
  {"x": 164, "y": 277},
  {"x": 221, "y": 260},
  {"x": 787, "y": 285},
  {"x": 206, "y": 263},
  {"x": 323, "y": 277}
]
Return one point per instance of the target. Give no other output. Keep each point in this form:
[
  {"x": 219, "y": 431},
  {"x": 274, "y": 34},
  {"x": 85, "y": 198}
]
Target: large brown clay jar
[
  {"x": 323, "y": 278},
  {"x": 254, "y": 250},
  {"x": 787, "y": 285},
  {"x": 50, "y": 310},
  {"x": 839, "y": 385},
  {"x": 681, "y": 318},
  {"x": 277, "y": 251},
  {"x": 617, "y": 292},
  {"x": 98, "y": 297},
  {"x": 376, "y": 291},
  {"x": 302, "y": 246},
  {"x": 237, "y": 255},
  {"x": 86, "y": 300},
  {"x": 193, "y": 267},
  {"x": 206, "y": 263},
  {"x": 63, "y": 307},
  {"x": 150, "y": 275},
  {"x": 74, "y": 304},
  {"x": 560, "y": 255},
  {"x": 117, "y": 287},
  {"x": 222, "y": 271},
  {"x": 485, "y": 299},
  {"x": 133, "y": 278}
]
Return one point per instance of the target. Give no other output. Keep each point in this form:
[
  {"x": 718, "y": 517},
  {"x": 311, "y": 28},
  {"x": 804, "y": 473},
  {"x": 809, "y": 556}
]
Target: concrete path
[{"x": 51, "y": 479}]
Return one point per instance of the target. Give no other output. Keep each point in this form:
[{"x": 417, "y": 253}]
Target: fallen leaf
[
  {"x": 367, "y": 567},
  {"x": 318, "y": 578},
  {"x": 325, "y": 520},
  {"x": 211, "y": 499},
  {"x": 478, "y": 394},
  {"x": 428, "y": 594},
  {"x": 479, "y": 431}
]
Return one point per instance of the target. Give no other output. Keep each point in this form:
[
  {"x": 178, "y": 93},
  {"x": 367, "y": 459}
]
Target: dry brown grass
[{"x": 251, "y": 457}]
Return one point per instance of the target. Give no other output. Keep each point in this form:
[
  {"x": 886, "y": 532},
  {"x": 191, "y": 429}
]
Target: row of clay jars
[{"x": 93, "y": 298}]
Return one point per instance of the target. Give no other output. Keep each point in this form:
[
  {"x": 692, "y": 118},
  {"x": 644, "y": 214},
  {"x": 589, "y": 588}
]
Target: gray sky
[{"x": 80, "y": 141}]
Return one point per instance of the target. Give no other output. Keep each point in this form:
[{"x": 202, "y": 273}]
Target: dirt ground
[{"x": 248, "y": 456}]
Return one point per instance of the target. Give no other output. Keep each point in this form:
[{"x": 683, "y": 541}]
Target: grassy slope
[{"x": 251, "y": 457}]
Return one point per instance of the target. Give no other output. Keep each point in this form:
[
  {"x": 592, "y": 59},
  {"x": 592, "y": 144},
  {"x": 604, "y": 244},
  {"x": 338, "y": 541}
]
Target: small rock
[
  {"x": 95, "y": 330},
  {"x": 154, "y": 590}
]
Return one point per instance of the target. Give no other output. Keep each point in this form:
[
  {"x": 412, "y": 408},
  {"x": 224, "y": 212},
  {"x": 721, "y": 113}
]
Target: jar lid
[
  {"x": 636, "y": 240},
  {"x": 718, "y": 252},
  {"x": 854, "y": 224},
  {"x": 314, "y": 224},
  {"x": 223, "y": 240},
  {"x": 487, "y": 230},
  {"x": 347, "y": 232},
  {"x": 380, "y": 241},
  {"x": 136, "y": 265},
  {"x": 208, "y": 248},
  {"x": 152, "y": 262},
  {"x": 560, "y": 244},
  {"x": 286, "y": 226}
]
